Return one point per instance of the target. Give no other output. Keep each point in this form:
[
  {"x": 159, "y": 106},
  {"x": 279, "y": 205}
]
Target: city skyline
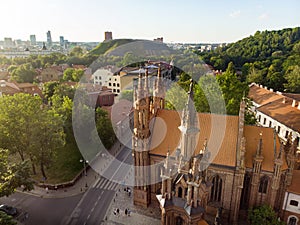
[{"x": 185, "y": 22}]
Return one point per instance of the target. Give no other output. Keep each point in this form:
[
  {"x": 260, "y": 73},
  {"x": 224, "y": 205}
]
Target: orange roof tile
[
  {"x": 252, "y": 134},
  {"x": 295, "y": 185},
  {"x": 262, "y": 96},
  {"x": 222, "y": 144},
  {"x": 283, "y": 113},
  {"x": 202, "y": 222},
  {"x": 222, "y": 141}
]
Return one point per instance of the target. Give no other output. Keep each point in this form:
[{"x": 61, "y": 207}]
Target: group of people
[
  {"x": 128, "y": 190},
  {"x": 117, "y": 212}
]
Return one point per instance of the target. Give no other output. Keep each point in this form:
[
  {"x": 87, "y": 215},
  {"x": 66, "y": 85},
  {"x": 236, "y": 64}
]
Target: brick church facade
[{"x": 191, "y": 167}]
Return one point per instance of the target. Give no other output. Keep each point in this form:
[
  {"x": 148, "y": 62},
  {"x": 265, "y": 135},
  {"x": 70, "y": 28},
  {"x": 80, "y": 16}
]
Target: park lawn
[{"x": 65, "y": 167}]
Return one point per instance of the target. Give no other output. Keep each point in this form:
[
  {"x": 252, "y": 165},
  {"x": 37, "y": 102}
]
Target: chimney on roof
[
  {"x": 271, "y": 89},
  {"x": 283, "y": 100},
  {"x": 266, "y": 87},
  {"x": 260, "y": 86},
  {"x": 294, "y": 103}
]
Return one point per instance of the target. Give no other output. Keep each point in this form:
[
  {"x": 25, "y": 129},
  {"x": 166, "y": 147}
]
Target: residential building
[
  {"x": 11, "y": 88},
  {"x": 200, "y": 165},
  {"x": 53, "y": 73},
  {"x": 277, "y": 110},
  {"x": 102, "y": 76},
  {"x": 291, "y": 204}
]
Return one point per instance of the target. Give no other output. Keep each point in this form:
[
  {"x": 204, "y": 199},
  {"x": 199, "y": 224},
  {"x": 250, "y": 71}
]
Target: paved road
[
  {"x": 45, "y": 211},
  {"x": 85, "y": 208},
  {"x": 94, "y": 204}
]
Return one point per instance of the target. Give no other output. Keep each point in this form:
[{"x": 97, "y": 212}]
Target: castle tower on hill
[
  {"x": 107, "y": 36},
  {"x": 250, "y": 168}
]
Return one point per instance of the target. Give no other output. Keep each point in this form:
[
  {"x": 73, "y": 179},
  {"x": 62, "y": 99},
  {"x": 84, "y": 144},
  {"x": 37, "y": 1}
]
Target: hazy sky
[{"x": 177, "y": 21}]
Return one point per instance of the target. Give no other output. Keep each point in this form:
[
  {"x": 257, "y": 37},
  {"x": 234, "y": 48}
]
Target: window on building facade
[
  {"x": 286, "y": 134},
  {"x": 118, "y": 90},
  {"x": 246, "y": 191},
  {"x": 278, "y": 129},
  {"x": 114, "y": 84},
  {"x": 265, "y": 120},
  {"x": 118, "y": 85},
  {"x": 292, "y": 221},
  {"x": 109, "y": 84},
  {"x": 180, "y": 192},
  {"x": 294, "y": 203},
  {"x": 270, "y": 123},
  {"x": 179, "y": 220},
  {"x": 259, "y": 118},
  {"x": 263, "y": 185},
  {"x": 114, "y": 90},
  {"x": 216, "y": 189}
]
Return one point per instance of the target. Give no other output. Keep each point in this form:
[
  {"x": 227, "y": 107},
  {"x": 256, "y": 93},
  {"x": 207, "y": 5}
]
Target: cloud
[
  {"x": 235, "y": 14},
  {"x": 263, "y": 16}
]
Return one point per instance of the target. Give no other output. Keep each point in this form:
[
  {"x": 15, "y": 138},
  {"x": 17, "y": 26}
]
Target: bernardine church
[{"x": 249, "y": 166}]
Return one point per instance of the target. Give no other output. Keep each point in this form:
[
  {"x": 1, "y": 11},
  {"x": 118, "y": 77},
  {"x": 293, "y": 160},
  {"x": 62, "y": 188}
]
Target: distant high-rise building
[
  {"x": 49, "y": 39},
  {"x": 32, "y": 39},
  {"x": 8, "y": 43},
  {"x": 61, "y": 40},
  {"x": 108, "y": 35}
]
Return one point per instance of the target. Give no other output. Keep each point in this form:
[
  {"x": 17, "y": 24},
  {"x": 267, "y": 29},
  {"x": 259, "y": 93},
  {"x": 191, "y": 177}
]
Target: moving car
[{"x": 9, "y": 210}]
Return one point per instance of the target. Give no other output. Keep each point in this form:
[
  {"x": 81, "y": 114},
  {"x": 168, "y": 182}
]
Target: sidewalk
[
  {"x": 81, "y": 185},
  {"x": 138, "y": 215}
]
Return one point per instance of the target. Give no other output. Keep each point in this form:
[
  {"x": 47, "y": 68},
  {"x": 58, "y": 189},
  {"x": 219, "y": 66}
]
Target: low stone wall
[{"x": 65, "y": 184}]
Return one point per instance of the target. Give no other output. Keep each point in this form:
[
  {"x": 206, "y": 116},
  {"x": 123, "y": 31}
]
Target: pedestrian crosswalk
[{"x": 105, "y": 184}]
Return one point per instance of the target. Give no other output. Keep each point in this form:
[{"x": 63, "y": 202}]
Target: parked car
[{"x": 9, "y": 210}]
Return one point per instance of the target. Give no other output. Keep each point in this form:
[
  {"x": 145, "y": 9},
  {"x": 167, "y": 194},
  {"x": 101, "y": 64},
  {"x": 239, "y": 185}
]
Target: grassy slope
[{"x": 104, "y": 47}]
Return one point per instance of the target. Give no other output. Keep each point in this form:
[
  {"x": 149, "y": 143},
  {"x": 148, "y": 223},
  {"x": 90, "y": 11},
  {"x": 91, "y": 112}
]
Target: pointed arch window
[
  {"x": 263, "y": 185},
  {"x": 179, "y": 220},
  {"x": 180, "y": 192},
  {"x": 292, "y": 220},
  {"x": 246, "y": 191},
  {"x": 216, "y": 190}
]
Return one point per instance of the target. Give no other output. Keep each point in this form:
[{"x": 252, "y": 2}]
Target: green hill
[
  {"x": 270, "y": 58},
  {"x": 107, "y": 46},
  {"x": 262, "y": 46}
]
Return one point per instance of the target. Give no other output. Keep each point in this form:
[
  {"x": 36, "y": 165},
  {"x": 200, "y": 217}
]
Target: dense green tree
[
  {"x": 47, "y": 139},
  {"x": 293, "y": 80},
  {"x": 49, "y": 88},
  {"x": 29, "y": 129},
  {"x": 6, "y": 219},
  {"x": 127, "y": 94},
  {"x": 13, "y": 176},
  {"x": 232, "y": 89},
  {"x": 176, "y": 97},
  {"x": 76, "y": 51},
  {"x": 263, "y": 215},
  {"x": 71, "y": 74},
  {"x": 24, "y": 73},
  {"x": 104, "y": 128},
  {"x": 208, "y": 96}
]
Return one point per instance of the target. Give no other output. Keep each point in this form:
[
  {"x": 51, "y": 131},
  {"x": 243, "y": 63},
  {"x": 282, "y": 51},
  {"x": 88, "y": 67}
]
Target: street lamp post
[{"x": 84, "y": 165}]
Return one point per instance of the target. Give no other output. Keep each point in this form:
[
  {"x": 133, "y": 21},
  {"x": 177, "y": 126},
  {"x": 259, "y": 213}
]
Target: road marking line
[
  {"x": 107, "y": 184},
  {"x": 110, "y": 186},
  {"x": 100, "y": 183}
]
